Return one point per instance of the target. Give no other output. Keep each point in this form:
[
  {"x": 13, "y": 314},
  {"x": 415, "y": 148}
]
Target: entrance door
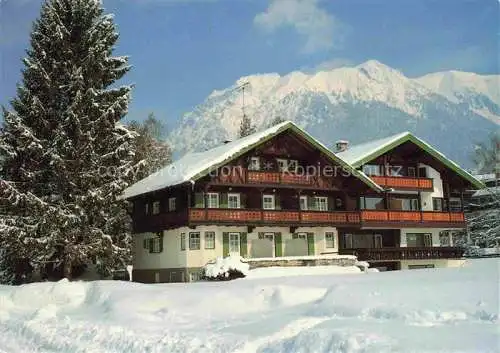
[
  {"x": 234, "y": 244},
  {"x": 377, "y": 240}
]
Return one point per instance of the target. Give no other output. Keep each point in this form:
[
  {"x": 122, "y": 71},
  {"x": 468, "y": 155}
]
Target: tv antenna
[{"x": 242, "y": 87}]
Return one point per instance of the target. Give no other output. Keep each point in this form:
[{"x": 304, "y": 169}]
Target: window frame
[
  {"x": 300, "y": 235},
  {"x": 209, "y": 199},
  {"x": 254, "y": 163},
  {"x": 192, "y": 236},
  {"x": 332, "y": 236},
  {"x": 238, "y": 197},
  {"x": 412, "y": 174},
  {"x": 281, "y": 168},
  {"x": 212, "y": 234},
  {"x": 306, "y": 202},
  {"x": 172, "y": 203},
  {"x": 317, "y": 203},
  {"x": 272, "y": 197},
  {"x": 293, "y": 165},
  {"x": 155, "y": 208}
]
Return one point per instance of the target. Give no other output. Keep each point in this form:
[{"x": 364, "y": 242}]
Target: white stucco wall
[
  {"x": 171, "y": 257},
  {"x": 438, "y": 187}
]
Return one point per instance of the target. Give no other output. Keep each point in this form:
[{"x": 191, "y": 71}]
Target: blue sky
[{"x": 182, "y": 50}]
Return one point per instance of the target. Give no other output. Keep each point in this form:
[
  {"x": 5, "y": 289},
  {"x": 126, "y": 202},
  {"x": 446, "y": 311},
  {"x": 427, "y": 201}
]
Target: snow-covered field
[{"x": 444, "y": 310}]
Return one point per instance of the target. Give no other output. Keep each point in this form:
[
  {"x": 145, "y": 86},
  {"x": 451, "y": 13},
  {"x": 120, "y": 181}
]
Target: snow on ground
[{"x": 431, "y": 310}]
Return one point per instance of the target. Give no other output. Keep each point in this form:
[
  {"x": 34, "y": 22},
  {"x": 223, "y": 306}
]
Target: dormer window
[{"x": 254, "y": 163}]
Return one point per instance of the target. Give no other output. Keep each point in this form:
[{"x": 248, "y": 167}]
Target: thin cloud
[{"x": 319, "y": 28}]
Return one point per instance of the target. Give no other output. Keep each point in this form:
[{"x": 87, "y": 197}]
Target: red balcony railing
[
  {"x": 374, "y": 217},
  {"x": 398, "y": 253},
  {"x": 238, "y": 175},
  {"x": 404, "y": 182}
]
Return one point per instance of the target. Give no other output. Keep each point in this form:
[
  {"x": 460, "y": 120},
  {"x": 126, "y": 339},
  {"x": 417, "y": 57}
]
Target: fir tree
[
  {"x": 66, "y": 157},
  {"x": 246, "y": 126},
  {"x": 277, "y": 120},
  {"x": 152, "y": 151},
  {"x": 487, "y": 155}
]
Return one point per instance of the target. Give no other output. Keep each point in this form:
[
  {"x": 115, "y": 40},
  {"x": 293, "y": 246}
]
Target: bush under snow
[{"x": 225, "y": 269}]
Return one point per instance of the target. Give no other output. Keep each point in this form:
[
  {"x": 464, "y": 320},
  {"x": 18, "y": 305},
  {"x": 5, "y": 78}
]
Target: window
[
  {"x": 233, "y": 201},
  {"x": 209, "y": 240},
  {"x": 171, "y": 204},
  {"x": 330, "y": 240},
  {"x": 156, "y": 207},
  {"x": 412, "y": 172},
  {"x": 372, "y": 203},
  {"x": 183, "y": 241},
  {"x": 254, "y": 163},
  {"x": 268, "y": 202},
  {"x": 299, "y": 236},
  {"x": 455, "y": 205},
  {"x": 437, "y": 204},
  {"x": 444, "y": 238},
  {"x": 348, "y": 241},
  {"x": 404, "y": 204},
  {"x": 321, "y": 203},
  {"x": 293, "y": 164},
  {"x": 194, "y": 241},
  {"x": 418, "y": 239},
  {"x": 234, "y": 243},
  {"x": 282, "y": 165},
  {"x": 303, "y": 203},
  {"x": 269, "y": 236},
  {"x": 371, "y": 169},
  {"x": 417, "y": 267},
  {"x": 212, "y": 200},
  {"x": 422, "y": 172},
  {"x": 155, "y": 244},
  {"x": 195, "y": 276},
  {"x": 145, "y": 244},
  {"x": 395, "y": 170},
  {"x": 339, "y": 203}
]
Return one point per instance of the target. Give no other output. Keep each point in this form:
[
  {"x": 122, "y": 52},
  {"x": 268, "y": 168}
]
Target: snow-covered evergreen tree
[
  {"x": 152, "y": 151},
  {"x": 246, "y": 126},
  {"x": 66, "y": 155}
]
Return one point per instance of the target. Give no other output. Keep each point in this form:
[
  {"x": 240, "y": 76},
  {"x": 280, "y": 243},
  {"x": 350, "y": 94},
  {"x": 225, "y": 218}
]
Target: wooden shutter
[
  {"x": 225, "y": 244},
  {"x": 310, "y": 243},
  {"x": 331, "y": 203},
  {"x": 150, "y": 243},
  {"x": 199, "y": 200},
  {"x": 243, "y": 200},
  {"x": 161, "y": 241},
  {"x": 223, "y": 200},
  {"x": 243, "y": 245},
  {"x": 277, "y": 202},
  {"x": 278, "y": 245}
]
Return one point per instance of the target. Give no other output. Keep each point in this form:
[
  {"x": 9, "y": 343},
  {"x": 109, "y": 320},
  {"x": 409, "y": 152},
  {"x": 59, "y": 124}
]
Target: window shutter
[
  {"x": 150, "y": 243},
  {"x": 243, "y": 200},
  {"x": 243, "y": 245},
  {"x": 331, "y": 203},
  {"x": 145, "y": 244},
  {"x": 277, "y": 201},
  {"x": 310, "y": 243},
  {"x": 199, "y": 200},
  {"x": 278, "y": 245},
  {"x": 161, "y": 242},
  {"x": 225, "y": 244},
  {"x": 223, "y": 200}
]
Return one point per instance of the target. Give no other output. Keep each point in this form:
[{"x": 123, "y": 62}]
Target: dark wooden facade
[{"x": 314, "y": 175}]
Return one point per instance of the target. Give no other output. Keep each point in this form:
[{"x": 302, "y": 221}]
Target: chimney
[{"x": 341, "y": 145}]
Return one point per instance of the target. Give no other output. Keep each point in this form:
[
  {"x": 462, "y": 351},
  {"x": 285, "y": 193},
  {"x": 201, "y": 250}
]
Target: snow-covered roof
[
  {"x": 196, "y": 165},
  {"x": 485, "y": 177},
  {"x": 495, "y": 190},
  {"x": 360, "y": 154}
]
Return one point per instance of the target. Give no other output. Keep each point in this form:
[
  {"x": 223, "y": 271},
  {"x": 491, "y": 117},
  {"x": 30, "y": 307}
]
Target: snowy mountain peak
[{"x": 367, "y": 101}]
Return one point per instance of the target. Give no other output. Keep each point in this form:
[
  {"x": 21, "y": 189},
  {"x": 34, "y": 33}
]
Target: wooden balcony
[
  {"x": 404, "y": 183},
  {"x": 399, "y": 253},
  {"x": 242, "y": 176},
  {"x": 412, "y": 218},
  {"x": 367, "y": 218},
  {"x": 271, "y": 217}
]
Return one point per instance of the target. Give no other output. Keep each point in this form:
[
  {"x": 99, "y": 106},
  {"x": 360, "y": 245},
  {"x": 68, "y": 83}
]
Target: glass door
[{"x": 234, "y": 244}]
